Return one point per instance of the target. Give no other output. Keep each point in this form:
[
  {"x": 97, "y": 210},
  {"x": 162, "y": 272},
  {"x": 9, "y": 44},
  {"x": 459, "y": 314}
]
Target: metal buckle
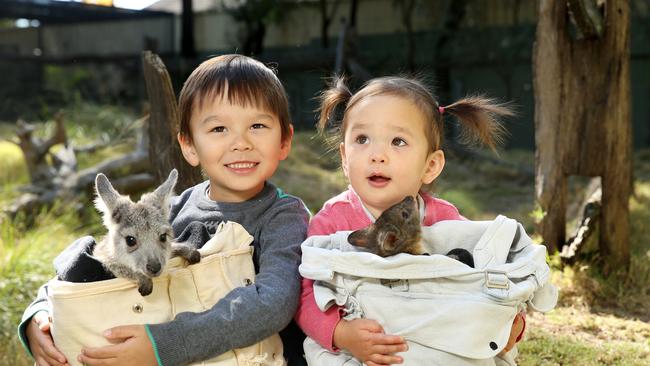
[
  {"x": 497, "y": 279},
  {"x": 397, "y": 285}
]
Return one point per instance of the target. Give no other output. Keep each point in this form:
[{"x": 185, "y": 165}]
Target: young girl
[{"x": 390, "y": 141}]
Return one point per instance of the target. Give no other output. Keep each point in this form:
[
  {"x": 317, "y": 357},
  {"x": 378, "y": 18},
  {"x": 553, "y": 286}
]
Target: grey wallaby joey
[
  {"x": 397, "y": 230},
  {"x": 139, "y": 240}
]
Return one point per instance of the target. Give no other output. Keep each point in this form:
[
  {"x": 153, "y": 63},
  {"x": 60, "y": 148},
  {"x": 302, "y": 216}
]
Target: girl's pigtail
[
  {"x": 337, "y": 94},
  {"x": 480, "y": 119}
]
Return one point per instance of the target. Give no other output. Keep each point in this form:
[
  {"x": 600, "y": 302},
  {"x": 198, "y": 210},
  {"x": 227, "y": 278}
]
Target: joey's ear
[
  {"x": 188, "y": 150},
  {"x": 167, "y": 188},
  {"x": 359, "y": 238},
  {"x": 387, "y": 241},
  {"x": 107, "y": 196},
  {"x": 161, "y": 197}
]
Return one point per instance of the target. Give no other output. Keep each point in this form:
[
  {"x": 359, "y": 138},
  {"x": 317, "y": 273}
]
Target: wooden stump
[
  {"x": 582, "y": 122},
  {"x": 164, "y": 152}
]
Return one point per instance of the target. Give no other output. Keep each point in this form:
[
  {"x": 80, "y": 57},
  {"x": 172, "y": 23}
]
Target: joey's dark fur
[{"x": 397, "y": 230}]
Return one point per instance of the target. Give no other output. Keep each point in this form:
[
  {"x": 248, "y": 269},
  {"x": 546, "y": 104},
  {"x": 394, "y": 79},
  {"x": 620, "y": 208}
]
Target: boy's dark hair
[
  {"x": 478, "y": 115},
  {"x": 246, "y": 81}
]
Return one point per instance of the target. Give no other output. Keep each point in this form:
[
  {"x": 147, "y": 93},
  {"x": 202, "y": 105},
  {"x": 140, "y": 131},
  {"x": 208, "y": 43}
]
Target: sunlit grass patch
[
  {"x": 575, "y": 336},
  {"x": 27, "y": 248}
]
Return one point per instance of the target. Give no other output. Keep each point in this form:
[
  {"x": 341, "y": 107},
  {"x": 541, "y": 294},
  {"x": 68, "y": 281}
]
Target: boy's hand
[
  {"x": 515, "y": 331},
  {"x": 366, "y": 340},
  {"x": 41, "y": 343},
  {"x": 131, "y": 347}
]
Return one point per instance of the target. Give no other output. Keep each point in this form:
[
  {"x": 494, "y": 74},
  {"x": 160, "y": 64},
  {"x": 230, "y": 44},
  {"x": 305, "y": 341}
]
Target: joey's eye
[
  {"x": 361, "y": 139},
  {"x": 163, "y": 237},
  {"x": 405, "y": 214},
  {"x": 130, "y": 241},
  {"x": 399, "y": 142}
]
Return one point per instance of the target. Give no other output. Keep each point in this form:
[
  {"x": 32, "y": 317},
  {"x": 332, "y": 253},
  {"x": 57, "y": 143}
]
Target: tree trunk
[
  {"x": 164, "y": 152},
  {"x": 582, "y": 122},
  {"x": 188, "y": 49}
]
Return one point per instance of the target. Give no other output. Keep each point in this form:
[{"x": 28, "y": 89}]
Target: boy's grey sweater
[{"x": 278, "y": 223}]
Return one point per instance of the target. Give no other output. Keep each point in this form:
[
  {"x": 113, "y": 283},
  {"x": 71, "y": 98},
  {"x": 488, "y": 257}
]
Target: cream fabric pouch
[{"x": 82, "y": 311}]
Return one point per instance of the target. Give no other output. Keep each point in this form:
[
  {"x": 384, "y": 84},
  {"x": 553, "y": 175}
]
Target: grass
[{"x": 599, "y": 321}]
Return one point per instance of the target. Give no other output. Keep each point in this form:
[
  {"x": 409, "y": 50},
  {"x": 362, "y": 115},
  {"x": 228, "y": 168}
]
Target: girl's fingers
[
  {"x": 385, "y": 359},
  {"x": 386, "y": 339},
  {"x": 389, "y": 349},
  {"x": 370, "y": 363}
]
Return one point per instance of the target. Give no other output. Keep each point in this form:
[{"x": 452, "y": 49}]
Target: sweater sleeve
[
  {"x": 39, "y": 304},
  {"x": 317, "y": 324},
  {"x": 248, "y": 314}
]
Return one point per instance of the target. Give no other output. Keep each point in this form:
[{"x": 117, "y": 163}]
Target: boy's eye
[
  {"x": 361, "y": 139},
  {"x": 399, "y": 142},
  {"x": 256, "y": 126},
  {"x": 218, "y": 129}
]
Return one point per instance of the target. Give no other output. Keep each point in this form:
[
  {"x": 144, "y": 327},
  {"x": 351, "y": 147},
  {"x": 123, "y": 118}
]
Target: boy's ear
[
  {"x": 188, "y": 150},
  {"x": 285, "y": 145},
  {"x": 344, "y": 161},
  {"x": 434, "y": 165}
]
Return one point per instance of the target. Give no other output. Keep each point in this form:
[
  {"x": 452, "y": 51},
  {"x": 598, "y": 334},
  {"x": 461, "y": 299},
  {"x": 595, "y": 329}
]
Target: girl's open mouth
[{"x": 378, "y": 180}]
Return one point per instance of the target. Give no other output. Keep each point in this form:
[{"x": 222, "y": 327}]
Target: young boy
[{"x": 235, "y": 125}]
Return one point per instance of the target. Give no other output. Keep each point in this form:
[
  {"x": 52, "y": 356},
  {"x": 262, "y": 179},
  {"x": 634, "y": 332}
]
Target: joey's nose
[{"x": 153, "y": 267}]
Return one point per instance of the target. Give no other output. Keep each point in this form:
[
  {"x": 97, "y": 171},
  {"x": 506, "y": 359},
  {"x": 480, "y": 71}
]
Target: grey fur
[{"x": 144, "y": 225}]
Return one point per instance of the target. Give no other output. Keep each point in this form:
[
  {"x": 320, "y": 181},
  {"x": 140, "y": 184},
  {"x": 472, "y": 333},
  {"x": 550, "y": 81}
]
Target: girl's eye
[
  {"x": 399, "y": 142},
  {"x": 257, "y": 126},
  {"x": 361, "y": 139},
  {"x": 219, "y": 129}
]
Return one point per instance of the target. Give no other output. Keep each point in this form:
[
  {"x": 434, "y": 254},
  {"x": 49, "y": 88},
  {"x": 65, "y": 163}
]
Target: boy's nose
[{"x": 241, "y": 143}]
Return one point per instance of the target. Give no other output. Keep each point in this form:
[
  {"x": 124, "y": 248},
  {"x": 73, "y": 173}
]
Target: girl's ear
[
  {"x": 433, "y": 168},
  {"x": 344, "y": 161},
  {"x": 188, "y": 150},
  {"x": 285, "y": 145}
]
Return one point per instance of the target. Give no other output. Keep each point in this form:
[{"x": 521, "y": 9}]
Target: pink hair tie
[{"x": 441, "y": 109}]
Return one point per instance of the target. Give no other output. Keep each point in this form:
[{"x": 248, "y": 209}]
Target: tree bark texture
[
  {"x": 582, "y": 122},
  {"x": 164, "y": 151}
]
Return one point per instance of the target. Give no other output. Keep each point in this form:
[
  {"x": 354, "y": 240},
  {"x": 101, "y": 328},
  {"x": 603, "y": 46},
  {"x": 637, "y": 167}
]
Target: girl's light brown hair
[
  {"x": 245, "y": 81},
  {"x": 478, "y": 115}
]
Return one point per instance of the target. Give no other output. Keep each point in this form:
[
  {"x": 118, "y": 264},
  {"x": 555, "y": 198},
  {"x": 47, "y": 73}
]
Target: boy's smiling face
[{"x": 238, "y": 147}]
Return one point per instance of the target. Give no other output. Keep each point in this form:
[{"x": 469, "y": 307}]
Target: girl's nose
[{"x": 377, "y": 156}]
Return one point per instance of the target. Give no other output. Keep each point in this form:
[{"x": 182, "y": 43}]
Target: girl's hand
[
  {"x": 41, "y": 343},
  {"x": 131, "y": 347},
  {"x": 366, "y": 340},
  {"x": 515, "y": 332}
]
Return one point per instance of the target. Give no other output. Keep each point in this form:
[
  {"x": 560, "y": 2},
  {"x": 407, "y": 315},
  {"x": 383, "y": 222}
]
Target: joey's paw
[
  {"x": 145, "y": 288},
  {"x": 193, "y": 256}
]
